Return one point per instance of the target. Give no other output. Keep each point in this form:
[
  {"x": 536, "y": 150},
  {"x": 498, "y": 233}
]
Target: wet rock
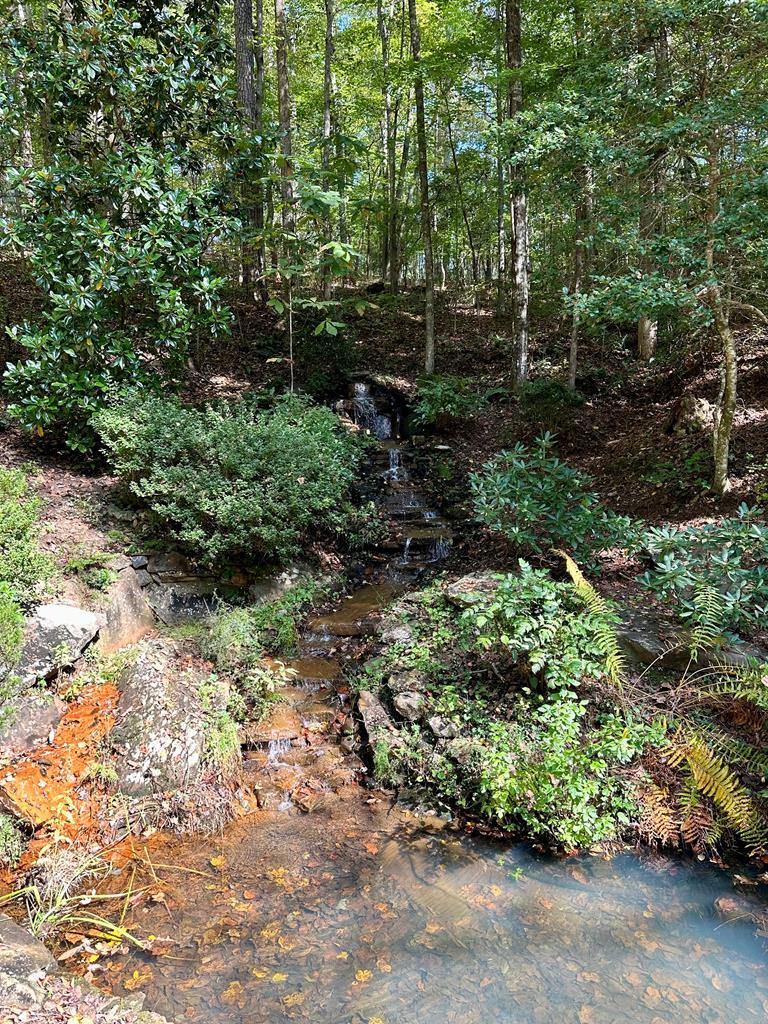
[
  {"x": 24, "y": 962},
  {"x": 143, "y": 578},
  {"x": 640, "y": 639},
  {"x": 409, "y": 705},
  {"x": 409, "y": 681},
  {"x": 443, "y": 728},
  {"x": 33, "y": 718},
  {"x": 282, "y": 723},
  {"x": 740, "y": 908},
  {"x": 159, "y": 734},
  {"x": 470, "y": 589},
  {"x": 374, "y": 718},
  {"x": 128, "y": 616},
  {"x": 397, "y": 633},
  {"x": 691, "y": 415},
  {"x": 55, "y": 637},
  {"x": 139, "y": 561}
]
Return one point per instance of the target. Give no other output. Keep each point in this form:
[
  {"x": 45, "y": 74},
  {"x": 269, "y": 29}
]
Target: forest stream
[{"x": 332, "y": 904}]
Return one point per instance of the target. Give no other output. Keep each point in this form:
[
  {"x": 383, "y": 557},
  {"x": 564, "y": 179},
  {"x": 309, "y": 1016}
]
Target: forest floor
[{"x": 619, "y": 434}]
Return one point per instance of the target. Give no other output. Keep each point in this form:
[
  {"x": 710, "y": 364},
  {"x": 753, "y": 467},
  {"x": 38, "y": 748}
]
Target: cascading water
[
  {"x": 366, "y": 414},
  {"x": 277, "y": 749}
]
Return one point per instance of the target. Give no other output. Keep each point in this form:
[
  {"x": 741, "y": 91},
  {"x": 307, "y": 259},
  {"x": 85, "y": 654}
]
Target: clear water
[{"x": 352, "y": 915}]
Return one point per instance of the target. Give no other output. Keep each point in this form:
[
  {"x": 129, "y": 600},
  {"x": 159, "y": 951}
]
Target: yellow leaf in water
[
  {"x": 294, "y": 999},
  {"x": 496, "y": 890},
  {"x": 343, "y": 955},
  {"x": 362, "y": 976},
  {"x": 258, "y": 973},
  {"x": 376, "y": 1020},
  {"x": 216, "y": 862},
  {"x": 137, "y": 979},
  {"x": 271, "y": 930},
  {"x": 278, "y": 977},
  {"x": 232, "y": 993}
]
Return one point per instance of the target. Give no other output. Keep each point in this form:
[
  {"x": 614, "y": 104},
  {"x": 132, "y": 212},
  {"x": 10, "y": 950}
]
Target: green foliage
[
  {"x": 236, "y": 481},
  {"x": 729, "y": 556},
  {"x": 441, "y": 398},
  {"x": 12, "y": 841},
  {"x": 558, "y": 777},
  {"x": 91, "y": 567},
  {"x": 555, "y": 637},
  {"x": 22, "y": 565},
  {"x": 548, "y": 394},
  {"x": 114, "y": 233},
  {"x": 222, "y": 742},
  {"x": 539, "y": 503}
]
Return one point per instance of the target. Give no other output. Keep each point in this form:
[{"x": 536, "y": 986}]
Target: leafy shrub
[
  {"x": 234, "y": 480},
  {"x": 539, "y": 503},
  {"x": 444, "y": 398},
  {"x": 556, "y": 776},
  {"x": 729, "y": 557},
  {"x": 547, "y": 628},
  {"x": 114, "y": 234},
  {"x": 547, "y": 394},
  {"x": 22, "y": 565},
  {"x": 12, "y": 841}
]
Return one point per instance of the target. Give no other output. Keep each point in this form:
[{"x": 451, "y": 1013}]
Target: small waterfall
[
  {"x": 397, "y": 472},
  {"x": 275, "y": 750},
  {"x": 429, "y": 513},
  {"x": 407, "y": 549},
  {"x": 367, "y": 416}
]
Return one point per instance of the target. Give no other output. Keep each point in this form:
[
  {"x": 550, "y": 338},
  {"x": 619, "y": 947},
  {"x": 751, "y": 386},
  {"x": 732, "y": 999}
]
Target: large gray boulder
[
  {"x": 24, "y": 962},
  {"x": 159, "y": 735},
  {"x": 55, "y": 636},
  {"x": 33, "y": 718}
]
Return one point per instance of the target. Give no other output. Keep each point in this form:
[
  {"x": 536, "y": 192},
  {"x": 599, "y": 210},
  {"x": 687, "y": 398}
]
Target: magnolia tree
[{"x": 118, "y": 218}]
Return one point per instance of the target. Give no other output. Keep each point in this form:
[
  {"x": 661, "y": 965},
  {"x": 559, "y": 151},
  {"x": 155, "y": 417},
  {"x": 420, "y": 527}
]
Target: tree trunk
[
  {"x": 726, "y": 403},
  {"x": 651, "y": 198},
  {"x": 426, "y": 212},
  {"x": 284, "y": 114},
  {"x": 327, "y": 121},
  {"x": 519, "y": 202},
  {"x": 258, "y": 126},
  {"x": 501, "y": 191},
  {"x": 384, "y": 20},
  {"x": 244, "y": 73}
]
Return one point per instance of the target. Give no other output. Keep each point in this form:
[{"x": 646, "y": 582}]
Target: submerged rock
[{"x": 159, "y": 734}]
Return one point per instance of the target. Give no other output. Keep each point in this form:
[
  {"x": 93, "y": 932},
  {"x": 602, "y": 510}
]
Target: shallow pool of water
[{"x": 356, "y": 915}]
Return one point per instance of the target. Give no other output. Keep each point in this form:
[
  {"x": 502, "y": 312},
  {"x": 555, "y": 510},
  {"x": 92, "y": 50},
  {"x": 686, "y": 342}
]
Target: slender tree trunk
[
  {"x": 327, "y": 120},
  {"x": 426, "y": 212},
  {"x": 258, "y": 126},
  {"x": 384, "y": 21},
  {"x": 519, "y": 201},
  {"x": 652, "y": 198},
  {"x": 501, "y": 191},
  {"x": 284, "y": 114},
  {"x": 244, "y": 73},
  {"x": 726, "y": 404},
  {"x": 460, "y": 191}
]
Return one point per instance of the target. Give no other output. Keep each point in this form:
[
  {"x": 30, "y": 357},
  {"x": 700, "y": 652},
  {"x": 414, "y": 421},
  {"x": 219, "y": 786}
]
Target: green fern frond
[
  {"x": 615, "y": 662},
  {"x": 737, "y": 752},
  {"x": 708, "y": 615}
]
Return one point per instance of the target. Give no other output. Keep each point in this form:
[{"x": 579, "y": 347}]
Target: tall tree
[
  {"x": 426, "y": 208},
  {"x": 518, "y": 197}
]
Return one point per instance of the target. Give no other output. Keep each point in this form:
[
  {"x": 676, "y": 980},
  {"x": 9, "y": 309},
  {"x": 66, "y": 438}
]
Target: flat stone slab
[
  {"x": 55, "y": 637},
  {"x": 32, "y": 719},
  {"x": 128, "y": 616}
]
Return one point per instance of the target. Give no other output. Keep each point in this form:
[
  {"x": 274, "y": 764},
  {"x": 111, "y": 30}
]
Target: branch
[{"x": 746, "y": 307}]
